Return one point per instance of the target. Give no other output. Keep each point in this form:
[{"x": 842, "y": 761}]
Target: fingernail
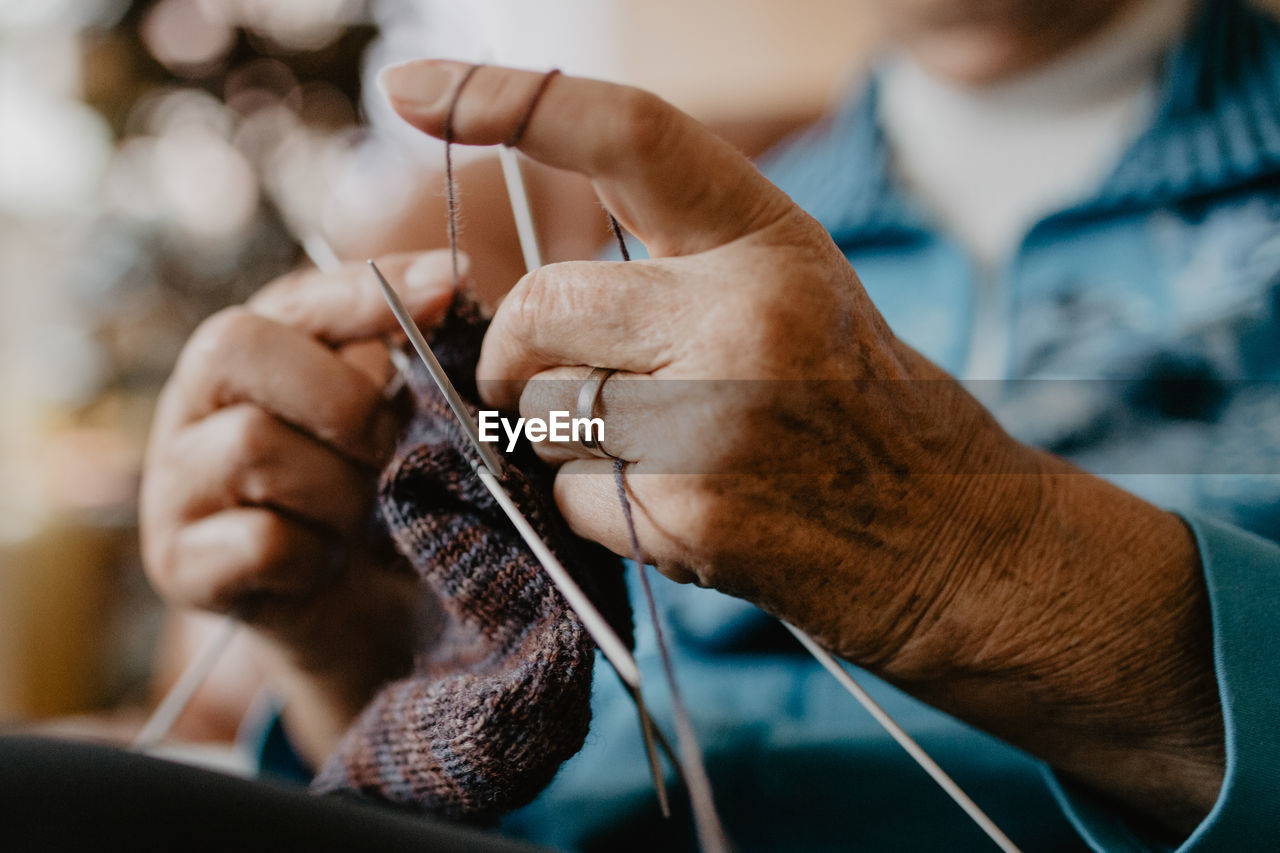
[
  {"x": 421, "y": 84},
  {"x": 433, "y": 271}
]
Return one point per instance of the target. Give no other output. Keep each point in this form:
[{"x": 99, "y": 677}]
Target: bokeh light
[
  {"x": 53, "y": 155},
  {"x": 185, "y": 38},
  {"x": 159, "y": 160}
]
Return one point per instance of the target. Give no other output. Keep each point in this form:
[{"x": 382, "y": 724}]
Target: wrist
[
  {"x": 1079, "y": 629},
  {"x": 975, "y": 570},
  {"x": 329, "y": 655}
]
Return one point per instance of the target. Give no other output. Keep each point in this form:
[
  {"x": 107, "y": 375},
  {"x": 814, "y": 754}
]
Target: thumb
[
  {"x": 347, "y": 304},
  {"x": 671, "y": 181}
]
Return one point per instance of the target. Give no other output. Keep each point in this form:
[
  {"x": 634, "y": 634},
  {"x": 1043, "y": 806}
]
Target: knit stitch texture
[{"x": 499, "y": 696}]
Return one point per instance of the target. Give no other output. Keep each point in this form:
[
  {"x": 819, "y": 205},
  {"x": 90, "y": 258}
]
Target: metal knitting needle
[
  {"x": 451, "y": 396},
  {"x": 166, "y": 714},
  {"x": 615, "y": 651},
  {"x": 321, "y": 254},
  {"x": 651, "y": 733},
  {"x": 904, "y": 740},
  {"x": 522, "y": 212},
  {"x": 597, "y": 626},
  {"x": 520, "y": 208}
]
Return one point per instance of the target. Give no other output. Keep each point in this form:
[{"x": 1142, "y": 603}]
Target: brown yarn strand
[
  {"x": 616, "y": 229},
  {"x": 518, "y": 134},
  {"x": 711, "y": 834},
  {"x": 450, "y": 187}
]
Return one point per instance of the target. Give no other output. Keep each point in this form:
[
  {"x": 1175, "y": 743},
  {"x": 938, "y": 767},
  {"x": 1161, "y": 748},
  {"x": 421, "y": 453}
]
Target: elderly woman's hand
[
  {"x": 785, "y": 447},
  {"x": 260, "y": 477}
]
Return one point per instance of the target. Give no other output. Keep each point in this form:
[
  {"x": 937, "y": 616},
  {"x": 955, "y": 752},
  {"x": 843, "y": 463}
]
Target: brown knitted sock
[{"x": 501, "y": 695}]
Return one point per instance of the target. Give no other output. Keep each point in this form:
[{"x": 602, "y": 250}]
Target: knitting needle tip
[
  {"x": 490, "y": 474},
  {"x": 451, "y": 396}
]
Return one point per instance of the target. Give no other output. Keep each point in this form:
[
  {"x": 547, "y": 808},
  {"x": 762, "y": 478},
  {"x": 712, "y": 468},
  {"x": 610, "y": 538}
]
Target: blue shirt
[{"x": 1145, "y": 326}]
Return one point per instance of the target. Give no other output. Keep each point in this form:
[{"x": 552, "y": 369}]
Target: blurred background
[{"x": 161, "y": 159}]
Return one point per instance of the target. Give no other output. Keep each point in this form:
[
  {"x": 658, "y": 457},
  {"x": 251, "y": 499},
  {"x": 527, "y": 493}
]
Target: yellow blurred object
[
  {"x": 59, "y": 562},
  {"x": 54, "y": 587}
]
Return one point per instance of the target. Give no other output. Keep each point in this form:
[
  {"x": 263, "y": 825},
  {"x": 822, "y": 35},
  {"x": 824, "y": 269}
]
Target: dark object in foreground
[{"x": 61, "y": 795}]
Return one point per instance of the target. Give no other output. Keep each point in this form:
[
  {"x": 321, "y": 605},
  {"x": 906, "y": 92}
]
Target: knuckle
[
  {"x": 266, "y": 548},
  {"x": 171, "y": 578},
  {"x": 646, "y": 124},
  {"x": 531, "y": 398},
  {"x": 157, "y": 560},
  {"x": 251, "y": 433},
  {"x": 551, "y": 454},
  {"x": 222, "y": 332},
  {"x": 216, "y": 339},
  {"x": 540, "y": 396},
  {"x": 256, "y": 485},
  {"x": 273, "y": 546},
  {"x": 158, "y": 527},
  {"x": 252, "y": 451},
  {"x": 540, "y": 295},
  {"x": 710, "y": 542},
  {"x": 681, "y": 572}
]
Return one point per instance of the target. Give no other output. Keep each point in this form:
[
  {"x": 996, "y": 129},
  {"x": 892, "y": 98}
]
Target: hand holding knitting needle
[
  {"x": 784, "y": 446},
  {"x": 260, "y": 475}
]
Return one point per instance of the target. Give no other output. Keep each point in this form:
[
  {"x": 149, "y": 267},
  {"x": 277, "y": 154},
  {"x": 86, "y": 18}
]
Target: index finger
[
  {"x": 237, "y": 356},
  {"x": 667, "y": 178},
  {"x": 579, "y": 312},
  {"x": 347, "y": 305}
]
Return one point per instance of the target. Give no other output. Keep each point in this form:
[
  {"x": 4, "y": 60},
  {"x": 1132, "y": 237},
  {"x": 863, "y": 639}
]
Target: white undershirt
[{"x": 988, "y": 162}]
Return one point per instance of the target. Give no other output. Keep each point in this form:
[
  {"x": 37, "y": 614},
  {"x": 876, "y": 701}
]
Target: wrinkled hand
[
  {"x": 777, "y": 430},
  {"x": 786, "y": 447},
  {"x": 260, "y": 476}
]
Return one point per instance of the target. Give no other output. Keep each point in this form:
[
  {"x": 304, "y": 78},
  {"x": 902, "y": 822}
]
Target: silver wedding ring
[{"x": 589, "y": 401}]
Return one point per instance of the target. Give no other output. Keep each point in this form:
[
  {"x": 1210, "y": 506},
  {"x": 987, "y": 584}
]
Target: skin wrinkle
[
  {"x": 929, "y": 601},
  {"x": 949, "y": 545},
  {"x": 1122, "y": 687},
  {"x": 967, "y": 536}
]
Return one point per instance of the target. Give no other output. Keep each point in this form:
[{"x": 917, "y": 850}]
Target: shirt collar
[{"x": 1217, "y": 127}]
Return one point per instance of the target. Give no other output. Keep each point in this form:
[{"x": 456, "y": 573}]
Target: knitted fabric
[{"x": 500, "y": 695}]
